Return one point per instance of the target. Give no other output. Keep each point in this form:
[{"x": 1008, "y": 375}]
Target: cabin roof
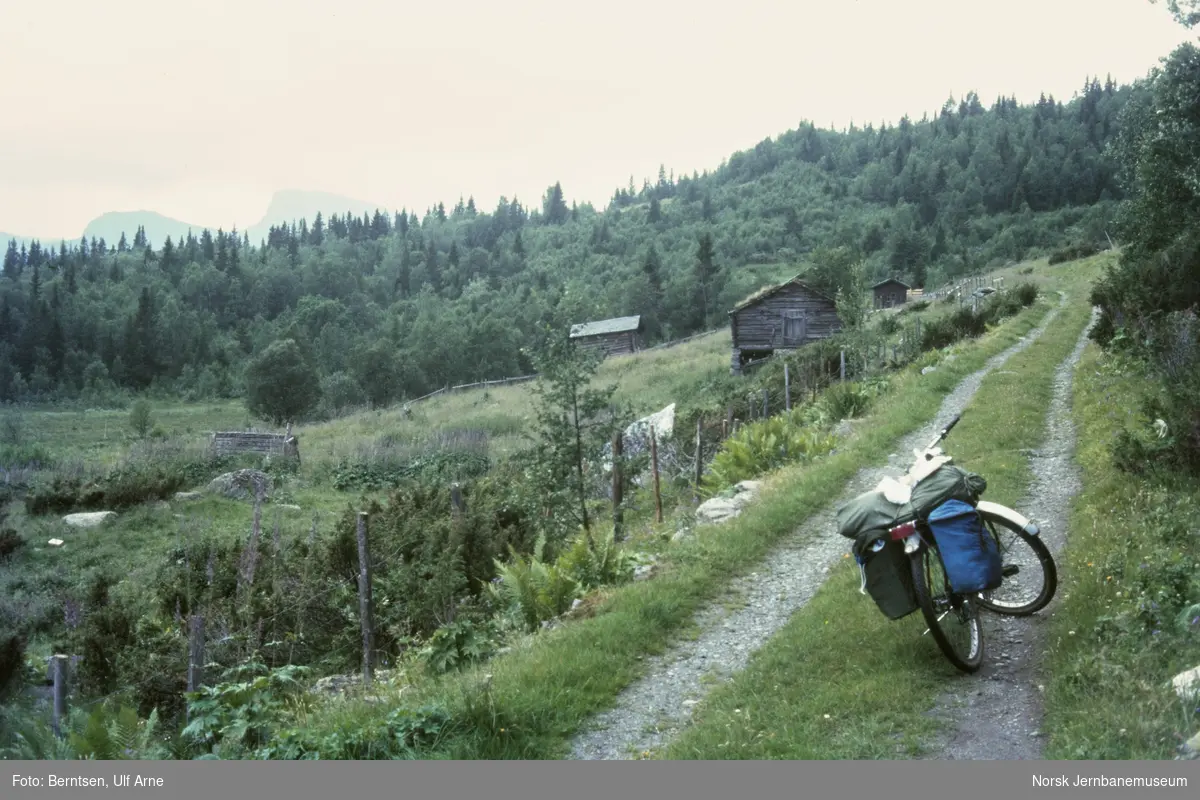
[
  {"x": 767, "y": 291},
  {"x": 614, "y": 325},
  {"x": 891, "y": 280}
]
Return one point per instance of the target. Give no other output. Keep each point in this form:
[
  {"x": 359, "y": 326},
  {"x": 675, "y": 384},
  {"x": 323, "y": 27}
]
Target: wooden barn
[
  {"x": 781, "y": 317},
  {"x": 612, "y": 337},
  {"x": 890, "y": 293}
]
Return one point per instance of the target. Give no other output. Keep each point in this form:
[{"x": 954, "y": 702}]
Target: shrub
[
  {"x": 454, "y": 455},
  {"x": 459, "y": 644},
  {"x": 140, "y": 419},
  {"x": 1026, "y": 293},
  {"x": 765, "y": 445},
  {"x": 845, "y": 400},
  {"x": 152, "y": 470},
  {"x": 10, "y": 542},
  {"x": 12, "y": 662},
  {"x": 889, "y": 325},
  {"x": 1170, "y": 350},
  {"x": 1073, "y": 252}
]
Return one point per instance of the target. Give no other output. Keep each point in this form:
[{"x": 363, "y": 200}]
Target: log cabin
[
  {"x": 782, "y": 317},
  {"x": 612, "y": 337}
]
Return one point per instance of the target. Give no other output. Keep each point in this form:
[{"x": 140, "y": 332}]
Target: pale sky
[{"x": 201, "y": 110}]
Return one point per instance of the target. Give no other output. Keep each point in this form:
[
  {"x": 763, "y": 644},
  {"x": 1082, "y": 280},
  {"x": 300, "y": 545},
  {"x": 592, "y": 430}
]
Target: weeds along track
[
  {"x": 1002, "y": 716},
  {"x": 653, "y": 709}
]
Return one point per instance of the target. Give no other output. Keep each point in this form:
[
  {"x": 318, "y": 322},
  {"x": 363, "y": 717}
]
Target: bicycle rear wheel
[
  {"x": 953, "y": 619},
  {"x": 1030, "y": 575}
]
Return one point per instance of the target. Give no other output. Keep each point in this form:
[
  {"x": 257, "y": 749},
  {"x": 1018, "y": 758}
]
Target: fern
[
  {"x": 534, "y": 590},
  {"x": 766, "y": 445}
]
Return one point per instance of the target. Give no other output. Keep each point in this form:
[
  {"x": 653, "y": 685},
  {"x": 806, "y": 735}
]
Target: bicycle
[{"x": 896, "y": 538}]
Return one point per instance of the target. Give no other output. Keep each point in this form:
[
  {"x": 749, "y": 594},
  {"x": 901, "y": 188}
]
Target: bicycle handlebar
[{"x": 945, "y": 431}]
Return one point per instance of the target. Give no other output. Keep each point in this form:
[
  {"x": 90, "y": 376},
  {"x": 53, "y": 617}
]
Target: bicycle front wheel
[
  {"x": 953, "y": 619},
  {"x": 1030, "y": 576}
]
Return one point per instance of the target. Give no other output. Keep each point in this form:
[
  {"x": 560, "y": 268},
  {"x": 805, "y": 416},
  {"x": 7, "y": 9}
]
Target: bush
[
  {"x": 1026, "y": 293},
  {"x": 845, "y": 401},
  {"x": 1073, "y": 252},
  {"x": 153, "y": 470},
  {"x": 10, "y": 542},
  {"x": 889, "y": 325},
  {"x": 12, "y": 663},
  {"x": 1170, "y": 349},
  {"x": 446, "y": 456},
  {"x": 459, "y": 644},
  {"x": 766, "y": 445},
  {"x": 140, "y": 419}
]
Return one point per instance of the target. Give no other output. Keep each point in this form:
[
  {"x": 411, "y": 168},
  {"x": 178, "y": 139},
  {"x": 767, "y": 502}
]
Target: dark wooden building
[
  {"x": 781, "y": 317},
  {"x": 612, "y": 337},
  {"x": 890, "y": 293}
]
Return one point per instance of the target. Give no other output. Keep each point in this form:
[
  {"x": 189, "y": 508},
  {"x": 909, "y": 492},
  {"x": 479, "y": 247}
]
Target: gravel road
[
  {"x": 653, "y": 709},
  {"x": 1001, "y": 716}
]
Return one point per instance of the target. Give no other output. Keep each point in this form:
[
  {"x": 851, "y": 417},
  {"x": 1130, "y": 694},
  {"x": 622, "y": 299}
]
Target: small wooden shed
[
  {"x": 612, "y": 337},
  {"x": 890, "y": 293},
  {"x": 785, "y": 316}
]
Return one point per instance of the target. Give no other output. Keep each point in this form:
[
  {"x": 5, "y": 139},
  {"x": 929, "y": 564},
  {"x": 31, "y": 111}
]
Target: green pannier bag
[
  {"x": 886, "y": 574},
  {"x": 873, "y": 511}
]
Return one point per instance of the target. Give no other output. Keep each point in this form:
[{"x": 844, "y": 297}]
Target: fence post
[
  {"x": 729, "y": 419},
  {"x": 699, "y": 461},
  {"x": 456, "y": 499},
  {"x": 766, "y": 412},
  {"x": 658, "y": 517},
  {"x": 787, "y": 389},
  {"x": 618, "y": 446},
  {"x": 195, "y": 678},
  {"x": 918, "y": 336},
  {"x": 59, "y": 666},
  {"x": 364, "y": 599},
  {"x": 843, "y": 366}
]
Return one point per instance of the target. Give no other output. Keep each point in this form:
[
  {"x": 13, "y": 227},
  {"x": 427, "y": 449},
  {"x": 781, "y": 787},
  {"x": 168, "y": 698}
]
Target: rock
[
  {"x": 927, "y": 370},
  {"x": 681, "y": 534},
  {"x": 55, "y": 542},
  {"x": 1187, "y": 684},
  {"x": 717, "y": 510},
  {"x": 88, "y": 519},
  {"x": 1190, "y": 750},
  {"x": 289, "y": 507},
  {"x": 241, "y": 484},
  {"x": 748, "y": 487},
  {"x": 636, "y": 437},
  {"x": 343, "y": 684},
  {"x": 844, "y": 428},
  {"x": 642, "y": 572},
  {"x": 576, "y": 603},
  {"x": 182, "y": 496}
]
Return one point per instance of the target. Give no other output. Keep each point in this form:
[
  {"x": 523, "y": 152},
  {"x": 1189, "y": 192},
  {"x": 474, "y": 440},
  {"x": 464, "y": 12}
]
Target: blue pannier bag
[{"x": 969, "y": 552}]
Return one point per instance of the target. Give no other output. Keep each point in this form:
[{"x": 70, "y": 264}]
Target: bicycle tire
[
  {"x": 1042, "y": 558},
  {"x": 938, "y": 602}
]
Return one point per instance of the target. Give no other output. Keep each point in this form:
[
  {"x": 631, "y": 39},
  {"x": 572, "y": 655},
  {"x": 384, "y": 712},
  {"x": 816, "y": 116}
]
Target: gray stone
[
  {"x": 182, "y": 496},
  {"x": 1187, "y": 684},
  {"x": 89, "y": 519},
  {"x": 241, "y": 484}
]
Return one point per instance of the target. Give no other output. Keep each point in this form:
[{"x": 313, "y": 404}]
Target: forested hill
[{"x": 392, "y": 305}]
